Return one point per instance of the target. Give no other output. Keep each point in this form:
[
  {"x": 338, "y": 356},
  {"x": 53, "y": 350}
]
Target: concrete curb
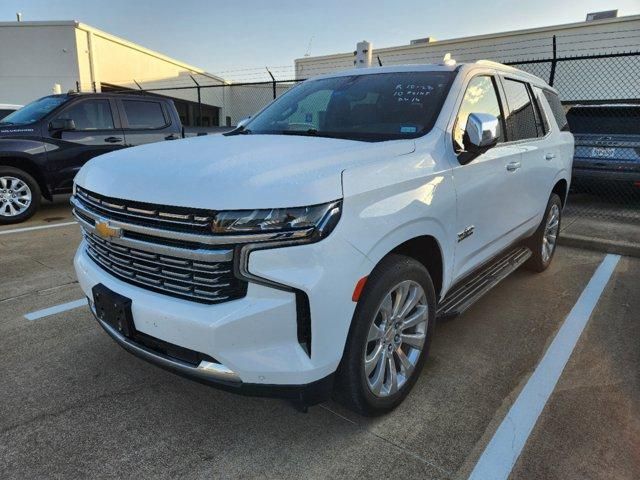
[{"x": 600, "y": 244}]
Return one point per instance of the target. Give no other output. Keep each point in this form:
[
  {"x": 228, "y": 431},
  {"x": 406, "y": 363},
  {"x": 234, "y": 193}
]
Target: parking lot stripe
[
  {"x": 502, "y": 452},
  {"x": 57, "y": 309},
  {"x": 41, "y": 227}
]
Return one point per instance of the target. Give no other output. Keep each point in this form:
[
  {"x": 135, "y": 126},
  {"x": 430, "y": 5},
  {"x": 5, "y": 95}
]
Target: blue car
[{"x": 607, "y": 145}]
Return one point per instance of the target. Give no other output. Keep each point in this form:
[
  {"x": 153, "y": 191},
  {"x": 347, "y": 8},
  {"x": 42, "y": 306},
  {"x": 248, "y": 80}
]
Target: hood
[{"x": 233, "y": 172}]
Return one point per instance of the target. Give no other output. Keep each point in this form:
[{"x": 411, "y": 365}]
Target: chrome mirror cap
[{"x": 482, "y": 130}]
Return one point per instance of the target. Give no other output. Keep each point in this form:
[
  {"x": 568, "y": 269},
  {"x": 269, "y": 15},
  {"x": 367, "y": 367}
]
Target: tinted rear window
[{"x": 605, "y": 120}]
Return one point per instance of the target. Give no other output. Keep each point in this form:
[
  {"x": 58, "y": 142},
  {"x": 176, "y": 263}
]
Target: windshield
[
  {"x": 34, "y": 111},
  {"x": 605, "y": 120},
  {"x": 371, "y": 107}
]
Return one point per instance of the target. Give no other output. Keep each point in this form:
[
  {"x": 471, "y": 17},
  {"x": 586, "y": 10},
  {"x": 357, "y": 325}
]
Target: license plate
[
  {"x": 113, "y": 309},
  {"x": 602, "y": 152}
]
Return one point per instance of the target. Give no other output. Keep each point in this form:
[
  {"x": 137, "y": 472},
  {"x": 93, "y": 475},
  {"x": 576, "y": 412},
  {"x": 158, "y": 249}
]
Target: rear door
[
  {"x": 484, "y": 188},
  {"x": 146, "y": 120},
  {"x": 529, "y": 130},
  {"x": 97, "y": 131}
]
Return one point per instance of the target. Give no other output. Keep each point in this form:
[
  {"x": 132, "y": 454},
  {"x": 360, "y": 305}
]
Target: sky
[{"x": 239, "y": 38}]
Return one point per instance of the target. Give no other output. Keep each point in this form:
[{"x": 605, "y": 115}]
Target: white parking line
[
  {"x": 502, "y": 452},
  {"x": 57, "y": 309},
  {"x": 41, "y": 227}
]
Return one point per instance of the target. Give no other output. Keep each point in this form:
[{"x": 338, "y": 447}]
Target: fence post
[
  {"x": 199, "y": 122},
  {"x": 77, "y": 86},
  {"x": 273, "y": 82},
  {"x": 552, "y": 74}
]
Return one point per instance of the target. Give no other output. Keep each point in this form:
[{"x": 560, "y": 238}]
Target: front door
[
  {"x": 95, "y": 133},
  {"x": 484, "y": 217}
]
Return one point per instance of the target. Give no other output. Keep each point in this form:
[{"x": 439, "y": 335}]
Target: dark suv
[
  {"x": 607, "y": 145},
  {"x": 44, "y": 144}
]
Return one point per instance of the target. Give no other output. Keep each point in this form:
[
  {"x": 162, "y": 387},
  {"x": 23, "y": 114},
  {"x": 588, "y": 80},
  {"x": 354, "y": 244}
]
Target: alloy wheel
[
  {"x": 396, "y": 338},
  {"x": 550, "y": 233},
  {"x": 15, "y": 196}
]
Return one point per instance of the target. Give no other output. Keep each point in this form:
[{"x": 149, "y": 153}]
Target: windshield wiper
[{"x": 310, "y": 132}]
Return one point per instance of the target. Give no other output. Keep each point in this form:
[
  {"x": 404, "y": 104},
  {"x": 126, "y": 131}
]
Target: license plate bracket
[{"x": 113, "y": 309}]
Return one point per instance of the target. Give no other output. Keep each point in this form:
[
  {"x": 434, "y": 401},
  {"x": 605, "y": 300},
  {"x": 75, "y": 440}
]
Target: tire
[
  {"x": 355, "y": 388},
  {"x": 19, "y": 195},
  {"x": 540, "y": 242}
]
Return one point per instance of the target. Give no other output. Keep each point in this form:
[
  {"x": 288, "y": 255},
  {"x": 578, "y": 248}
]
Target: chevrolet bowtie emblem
[{"x": 106, "y": 231}]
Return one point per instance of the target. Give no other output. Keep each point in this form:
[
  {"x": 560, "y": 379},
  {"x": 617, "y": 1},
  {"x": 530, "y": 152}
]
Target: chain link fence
[{"x": 601, "y": 97}]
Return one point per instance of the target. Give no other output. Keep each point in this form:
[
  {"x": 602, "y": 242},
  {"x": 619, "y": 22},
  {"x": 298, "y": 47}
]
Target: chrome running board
[{"x": 473, "y": 287}]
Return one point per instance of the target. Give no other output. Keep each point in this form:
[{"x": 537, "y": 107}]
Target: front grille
[
  {"x": 179, "y": 219},
  {"x": 199, "y": 281},
  {"x": 159, "y": 260}
]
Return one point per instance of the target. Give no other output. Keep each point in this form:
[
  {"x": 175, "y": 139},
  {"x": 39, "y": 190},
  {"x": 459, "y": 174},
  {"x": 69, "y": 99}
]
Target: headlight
[{"x": 318, "y": 219}]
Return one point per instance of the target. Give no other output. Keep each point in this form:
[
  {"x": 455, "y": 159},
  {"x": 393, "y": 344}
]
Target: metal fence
[{"x": 601, "y": 96}]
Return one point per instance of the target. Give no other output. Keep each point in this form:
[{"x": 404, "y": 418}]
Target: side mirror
[
  {"x": 243, "y": 122},
  {"x": 481, "y": 133},
  {"x": 62, "y": 125}
]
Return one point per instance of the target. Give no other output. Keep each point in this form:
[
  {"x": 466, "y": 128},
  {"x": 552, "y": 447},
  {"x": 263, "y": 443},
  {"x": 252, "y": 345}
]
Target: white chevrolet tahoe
[{"x": 310, "y": 251}]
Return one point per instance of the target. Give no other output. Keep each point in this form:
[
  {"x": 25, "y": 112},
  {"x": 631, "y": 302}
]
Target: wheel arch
[{"x": 30, "y": 167}]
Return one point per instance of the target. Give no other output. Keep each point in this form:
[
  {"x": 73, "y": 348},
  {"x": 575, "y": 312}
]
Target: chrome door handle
[
  {"x": 513, "y": 166},
  {"x": 550, "y": 156}
]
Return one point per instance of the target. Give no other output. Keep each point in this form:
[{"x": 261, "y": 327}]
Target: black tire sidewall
[
  {"x": 536, "y": 262},
  {"x": 35, "y": 194},
  {"x": 391, "y": 271}
]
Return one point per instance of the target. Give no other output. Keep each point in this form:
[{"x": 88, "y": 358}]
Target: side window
[
  {"x": 541, "y": 111},
  {"x": 480, "y": 97},
  {"x": 557, "y": 109},
  {"x": 92, "y": 114},
  {"x": 144, "y": 114},
  {"x": 521, "y": 122}
]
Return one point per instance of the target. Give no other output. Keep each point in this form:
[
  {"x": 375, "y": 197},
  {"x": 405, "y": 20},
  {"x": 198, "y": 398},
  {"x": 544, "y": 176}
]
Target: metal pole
[
  {"x": 199, "y": 122},
  {"x": 552, "y": 74},
  {"x": 273, "y": 82}
]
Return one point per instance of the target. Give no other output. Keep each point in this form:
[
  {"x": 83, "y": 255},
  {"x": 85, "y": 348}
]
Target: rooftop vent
[
  {"x": 418, "y": 41},
  {"x": 602, "y": 15}
]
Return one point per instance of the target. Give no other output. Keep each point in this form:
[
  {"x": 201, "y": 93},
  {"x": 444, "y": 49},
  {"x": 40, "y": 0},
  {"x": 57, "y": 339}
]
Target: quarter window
[
  {"x": 521, "y": 122},
  {"x": 480, "y": 97},
  {"x": 557, "y": 109},
  {"x": 144, "y": 114},
  {"x": 541, "y": 112},
  {"x": 90, "y": 115}
]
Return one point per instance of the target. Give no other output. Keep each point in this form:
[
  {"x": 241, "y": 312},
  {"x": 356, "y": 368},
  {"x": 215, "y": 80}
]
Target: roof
[{"x": 435, "y": 67}]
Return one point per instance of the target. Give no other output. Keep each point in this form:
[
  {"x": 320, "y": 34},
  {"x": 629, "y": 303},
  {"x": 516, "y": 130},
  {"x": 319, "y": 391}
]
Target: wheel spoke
[
  {"x": 419, "y": 316},
  {"x": 393, "y": 375},
  {"x": 386, "y": 308},
  {"x": 375, "y": 332},
  {"x": 405, "y": 364},
  {"x": 414, "y": 296},
  {"x": 378, "y": 378},
  {"x": 374, "y": 359},
  {"x": 400, "y": 297},
  {"x": 415, "y": 340}
]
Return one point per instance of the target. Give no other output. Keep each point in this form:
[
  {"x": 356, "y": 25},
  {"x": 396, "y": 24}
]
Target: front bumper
[
  {"x": 255, "y": 337},
  {"x": 218, "y": 375}
]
